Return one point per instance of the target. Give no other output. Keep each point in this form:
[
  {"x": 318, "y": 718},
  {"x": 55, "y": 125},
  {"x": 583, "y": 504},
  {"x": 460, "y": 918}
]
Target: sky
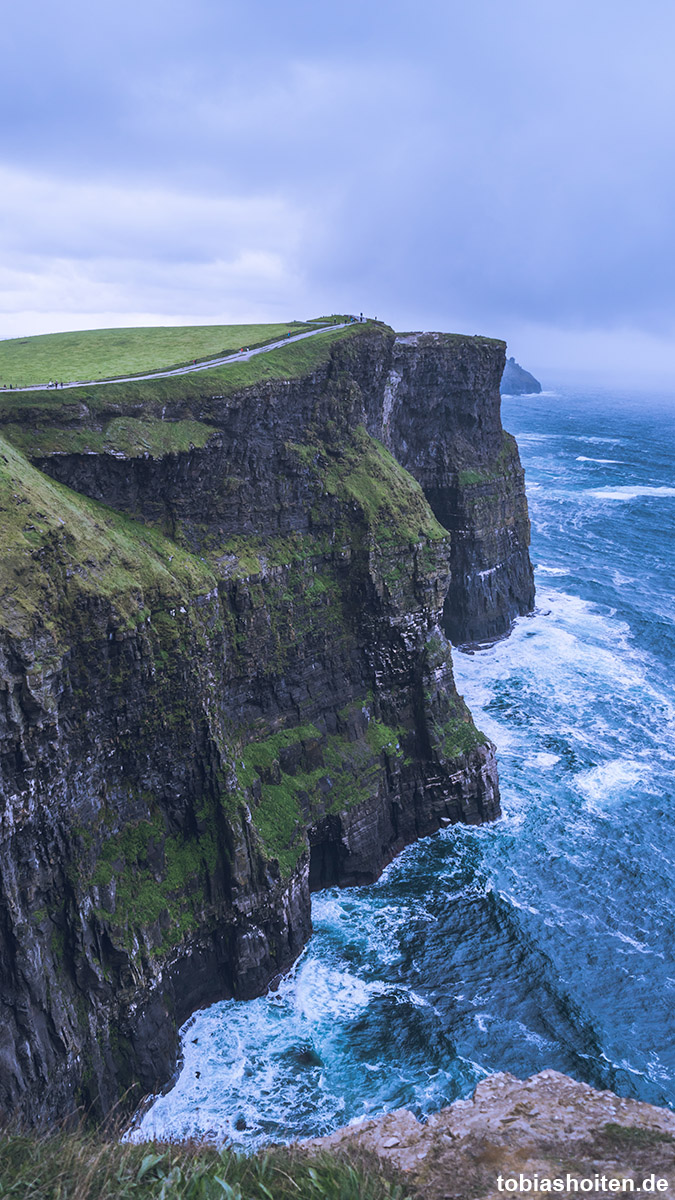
[{"x": 503, "y": 167}]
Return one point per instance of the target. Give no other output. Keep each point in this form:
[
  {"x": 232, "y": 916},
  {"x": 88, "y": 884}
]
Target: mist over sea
[{"x": 547, "y": 939}]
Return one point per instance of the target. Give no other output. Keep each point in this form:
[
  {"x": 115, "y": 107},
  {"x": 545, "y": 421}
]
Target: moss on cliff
[
  {"x": 492, "y": 473},
  {"x": 358, "y": 470},
  {"x": 145, "y": 878},
  {"x": 297, "y": 776}
]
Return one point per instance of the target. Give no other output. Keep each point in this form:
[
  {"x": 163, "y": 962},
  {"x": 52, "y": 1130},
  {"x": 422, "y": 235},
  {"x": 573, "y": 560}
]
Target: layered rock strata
[{"x": 224, "y": 681}]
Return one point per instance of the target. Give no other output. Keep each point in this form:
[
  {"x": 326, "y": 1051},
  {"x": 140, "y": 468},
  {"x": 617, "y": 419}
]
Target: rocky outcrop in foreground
[
  {"x": 546, "y": 1128},
  {"x": 516, "y": 381}
]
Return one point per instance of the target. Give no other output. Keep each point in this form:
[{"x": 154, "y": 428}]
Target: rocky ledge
[
  {"x": 225, "y": 676},
  {"x": 546, "y": 1134}
]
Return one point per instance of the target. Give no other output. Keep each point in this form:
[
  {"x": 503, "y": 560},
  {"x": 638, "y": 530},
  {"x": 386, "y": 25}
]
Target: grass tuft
[{"x": 81, "y": 1166}]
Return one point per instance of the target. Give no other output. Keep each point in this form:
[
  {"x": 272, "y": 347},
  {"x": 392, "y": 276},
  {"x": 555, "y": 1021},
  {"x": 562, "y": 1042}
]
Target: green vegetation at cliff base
[
  {"x": 321, "y": 775},
  {"x": 80, "y": 1166}
]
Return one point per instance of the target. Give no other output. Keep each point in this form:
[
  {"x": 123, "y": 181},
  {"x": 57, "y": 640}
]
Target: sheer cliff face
[
  {"x": 441, "y": 418},
  {"x": 223, "y": 686}
]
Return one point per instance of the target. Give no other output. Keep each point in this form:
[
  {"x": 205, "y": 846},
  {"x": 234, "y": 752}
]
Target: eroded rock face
[
  {"x": 228, "y": 687},
  {"x": 548, "y": 1127}
]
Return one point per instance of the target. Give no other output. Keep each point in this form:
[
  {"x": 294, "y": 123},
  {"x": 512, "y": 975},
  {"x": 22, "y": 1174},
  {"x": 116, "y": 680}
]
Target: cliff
[
  {"x": 516, "y": 381},
  {"x": 224, "y": 676}
]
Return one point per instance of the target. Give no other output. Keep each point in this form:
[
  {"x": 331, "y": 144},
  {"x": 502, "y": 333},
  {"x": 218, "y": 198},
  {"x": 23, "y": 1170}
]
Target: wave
[
  {"x": 594, "y": 440},
  {"x": 583, "y": 458},
  {"x": 629, "y": 492},
  {"x": 609, "y": 780}
]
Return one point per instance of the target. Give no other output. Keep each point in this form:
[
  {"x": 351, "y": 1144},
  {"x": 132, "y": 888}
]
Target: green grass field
[
  {"x": 31, "y": 412},
  {"x": 106, "y": 353}
]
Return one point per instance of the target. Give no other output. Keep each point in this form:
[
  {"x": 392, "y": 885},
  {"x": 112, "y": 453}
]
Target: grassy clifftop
[
  {"x": 27, "y": 412},
  {"x": 107, "y": 353}
]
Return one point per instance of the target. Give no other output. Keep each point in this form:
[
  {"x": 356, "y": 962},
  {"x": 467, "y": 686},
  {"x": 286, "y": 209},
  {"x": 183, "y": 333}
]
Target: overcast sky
[{"x": 495, "y": 166}]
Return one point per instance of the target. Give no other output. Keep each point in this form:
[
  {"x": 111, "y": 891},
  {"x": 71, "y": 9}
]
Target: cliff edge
[
  {"x": 225, "y": 676},
  {"x": 546, "y": 1134}
]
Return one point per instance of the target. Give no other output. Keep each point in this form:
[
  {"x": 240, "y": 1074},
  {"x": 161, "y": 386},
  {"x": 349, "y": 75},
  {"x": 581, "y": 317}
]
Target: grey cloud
[{"x": 496, "y": 163}]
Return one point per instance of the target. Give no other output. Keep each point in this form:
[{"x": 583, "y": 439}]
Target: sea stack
[{"x": 516, "y": 381}]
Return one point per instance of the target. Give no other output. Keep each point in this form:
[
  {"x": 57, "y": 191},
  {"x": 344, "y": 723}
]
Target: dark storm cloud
[{"x": 490, "y": 163}]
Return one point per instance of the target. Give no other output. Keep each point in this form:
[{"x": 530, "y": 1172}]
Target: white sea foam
[
  {"x": 583, "y": 458},
  {"x": 325, "y": 993},
  {"x": 594, "y": 440},
  {"x": 629, "y": 941},
  {"x": 542, "y": 759},
  {"x": 576, "y": 671},
  {"x": 534, "y": 439},
  {"x": 263, "y": 1057},
  {"x": 622, "y": 580},
  {"x": 628, "y": 492},
  {"x": 610, "y": 780}
]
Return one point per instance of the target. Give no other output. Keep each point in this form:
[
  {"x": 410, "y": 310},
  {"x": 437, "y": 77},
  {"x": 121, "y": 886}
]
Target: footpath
[{"x": 191, "y": 368}]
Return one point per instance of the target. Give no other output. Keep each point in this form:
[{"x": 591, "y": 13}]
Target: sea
[{"x": 548, "y": 938}]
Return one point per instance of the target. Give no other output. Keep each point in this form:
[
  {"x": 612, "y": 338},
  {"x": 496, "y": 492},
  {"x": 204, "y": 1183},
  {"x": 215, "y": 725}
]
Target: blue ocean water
[{"x": 547, "y": 939}]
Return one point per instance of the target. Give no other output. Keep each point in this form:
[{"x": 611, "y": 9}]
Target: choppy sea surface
[{"x": 547, "y": 939}]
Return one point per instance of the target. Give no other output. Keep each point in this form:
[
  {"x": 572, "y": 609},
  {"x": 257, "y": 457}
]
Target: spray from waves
[
  {"x": 257, "y": 1069},
  {"x": 571, "y": 677}
]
